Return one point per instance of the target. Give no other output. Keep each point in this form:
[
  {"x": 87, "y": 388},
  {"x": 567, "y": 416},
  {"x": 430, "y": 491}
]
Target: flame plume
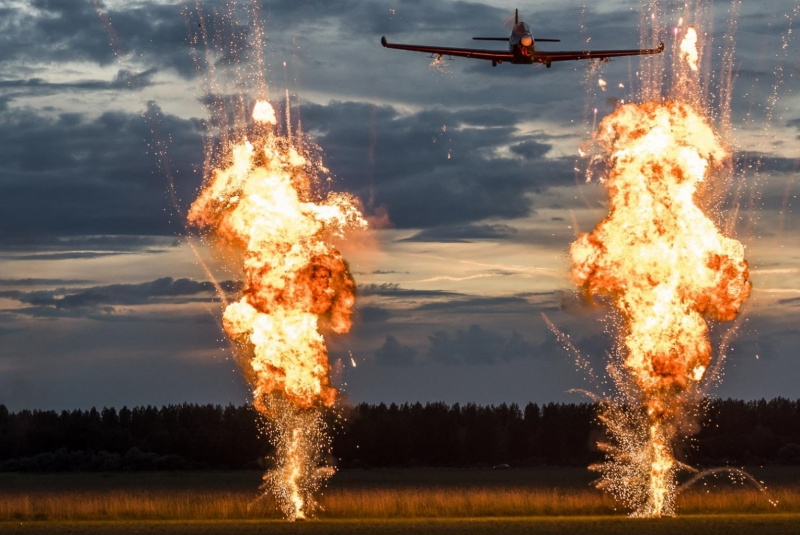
[
  {"x": 667, "y": 268},
  {"x": 295, "y": 283}
]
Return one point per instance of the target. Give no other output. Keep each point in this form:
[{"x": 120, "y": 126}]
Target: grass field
[{"x": 544, "y": 500}]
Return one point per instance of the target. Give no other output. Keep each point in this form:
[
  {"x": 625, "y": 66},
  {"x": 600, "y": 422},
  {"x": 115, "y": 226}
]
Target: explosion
[
  {"x": 296, "y": 283},
  {"x": 667, "y": 268}
]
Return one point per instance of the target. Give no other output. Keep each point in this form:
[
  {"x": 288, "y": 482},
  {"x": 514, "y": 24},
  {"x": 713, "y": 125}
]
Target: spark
[
  {"x": 264, "y": 201},
  {"x": 666, "y": 267},
  {"x": 688, "y": 49}
]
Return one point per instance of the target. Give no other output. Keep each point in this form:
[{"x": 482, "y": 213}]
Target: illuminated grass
[{"x": 368, "y": 495}]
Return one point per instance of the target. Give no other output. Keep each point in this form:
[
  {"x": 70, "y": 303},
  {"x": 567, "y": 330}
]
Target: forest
[{"x": 197, "y": 437}]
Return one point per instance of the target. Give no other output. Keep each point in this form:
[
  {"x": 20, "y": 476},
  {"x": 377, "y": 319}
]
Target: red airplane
[{"x": 521, "y": 49}]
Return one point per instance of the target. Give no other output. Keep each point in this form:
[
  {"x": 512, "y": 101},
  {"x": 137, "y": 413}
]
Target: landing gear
[
  {"x": 547, "y": 64},
  {"x": 494, "y": 63}
]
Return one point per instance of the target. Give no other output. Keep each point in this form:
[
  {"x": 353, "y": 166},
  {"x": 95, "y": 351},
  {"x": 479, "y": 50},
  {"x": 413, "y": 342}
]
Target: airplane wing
[
  {"x": 546, "y": 57},
  {"x": 491, "y": 55}
]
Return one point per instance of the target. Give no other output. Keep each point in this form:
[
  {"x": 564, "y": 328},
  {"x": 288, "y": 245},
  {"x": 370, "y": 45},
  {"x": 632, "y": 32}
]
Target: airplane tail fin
[{"x": 516, "y": 16}]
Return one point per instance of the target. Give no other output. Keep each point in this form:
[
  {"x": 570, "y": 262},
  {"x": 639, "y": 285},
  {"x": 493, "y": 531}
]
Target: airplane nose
[{"x": 526, "y": 40}]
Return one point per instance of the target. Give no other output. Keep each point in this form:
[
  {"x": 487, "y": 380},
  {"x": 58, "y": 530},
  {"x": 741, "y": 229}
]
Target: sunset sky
[{"x": 474, "y": 173}]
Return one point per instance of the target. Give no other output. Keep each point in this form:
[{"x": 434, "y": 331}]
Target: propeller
[{"x": 511, "y": 20}]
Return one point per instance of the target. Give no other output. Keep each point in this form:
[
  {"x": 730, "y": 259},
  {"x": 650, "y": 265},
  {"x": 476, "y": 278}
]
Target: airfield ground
[{"x": 401, "y": 501}]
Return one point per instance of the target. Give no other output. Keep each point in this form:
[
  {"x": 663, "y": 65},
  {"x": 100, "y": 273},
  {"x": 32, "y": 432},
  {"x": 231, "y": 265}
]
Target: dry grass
[
  {"x": 132, "y": 505},
  {"x": 464, "y": 502},
  {"x": 401, "y": 502}
]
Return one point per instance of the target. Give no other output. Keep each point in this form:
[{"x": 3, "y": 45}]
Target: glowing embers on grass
[
  {"x": 263, "y": 200},
  {"x": 666, "y": 267}
]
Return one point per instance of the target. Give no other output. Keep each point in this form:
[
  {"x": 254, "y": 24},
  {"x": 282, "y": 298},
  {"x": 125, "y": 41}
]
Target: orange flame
[
  {"x": 296, "y": 282},
  {"x": 666, "y": 267}
]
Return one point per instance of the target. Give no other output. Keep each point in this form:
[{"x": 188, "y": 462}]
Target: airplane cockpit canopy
[{"x": 521, "y": 27}]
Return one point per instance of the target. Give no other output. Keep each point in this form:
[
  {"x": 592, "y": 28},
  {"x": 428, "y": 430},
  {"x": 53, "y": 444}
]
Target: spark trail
[
  {"x": 667, "y": 268},
  {"x": 264, "y": 202}
]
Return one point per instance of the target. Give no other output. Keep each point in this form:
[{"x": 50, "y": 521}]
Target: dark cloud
[
  {"x": 75, "y": 255},
  {"x": 477, "y": 345},
  {"x": 382, "y": 16},
  {"x": 463, "y": 233},
  {"x": 531, "y": 150},
  {"x": 431, "y": 168},
  {"x": 42, "y": 282},
  {"x": 71, "y": 30},
  {"x": 73, "y": 175},
  {"x": 394, "y": 290},
  {"x": 477, "y": 305},
  {"x": 88, "y": 300},
  {"x": 372, "y": 314},
  {"x": 792, "y": 301},
  {"x": 54, "y": 247},
  {"x": 124, "y": 80},
  {"x": 393, "y": 353},
  {"x": 767, "y": 163}
]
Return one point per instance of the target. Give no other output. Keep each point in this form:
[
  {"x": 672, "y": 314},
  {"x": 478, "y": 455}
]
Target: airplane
[{"x": 521, "y": 49}]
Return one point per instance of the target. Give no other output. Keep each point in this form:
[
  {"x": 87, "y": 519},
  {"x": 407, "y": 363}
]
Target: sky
[{"x": 472, "y": 176}]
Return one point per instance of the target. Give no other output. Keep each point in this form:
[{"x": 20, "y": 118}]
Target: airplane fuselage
[{"x": 521, "y": 44}]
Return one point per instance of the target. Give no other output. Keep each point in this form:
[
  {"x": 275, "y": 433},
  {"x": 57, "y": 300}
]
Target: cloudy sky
[{"x": 475, "y": 172}]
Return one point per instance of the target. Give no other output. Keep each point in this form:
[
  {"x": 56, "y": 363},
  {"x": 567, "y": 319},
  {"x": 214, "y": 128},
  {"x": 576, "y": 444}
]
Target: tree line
[{"x": 190, "y": 436}]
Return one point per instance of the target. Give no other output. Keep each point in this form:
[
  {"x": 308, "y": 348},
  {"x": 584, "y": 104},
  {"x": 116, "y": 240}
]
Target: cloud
[
  {"x": 124, "y": 80},
  {"x": 393, "y": 353},
  {"x": 42, "y": 282},
  {"x": 477, "y": 345},
  {"x": 394, "y": 290},
  {"x": 74, "y": 255},
  {"x": 372, "y": 314},
  {"x": 463, "y": 233},
  {"x": 70, "y": 30},
  {"x": 436, "y": 167},
  {"x": 531, "y": 150},
  {"x": 74, "y": 175},
  {"x": 87, "y": 301},
  {"x": 477, "y": 305},
  {"x": 766, "y": 163},
  {"x": 52, "y": 247}
]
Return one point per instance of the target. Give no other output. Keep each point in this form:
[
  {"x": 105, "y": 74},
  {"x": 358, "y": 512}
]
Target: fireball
[{"x": 296, "y": 284}]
